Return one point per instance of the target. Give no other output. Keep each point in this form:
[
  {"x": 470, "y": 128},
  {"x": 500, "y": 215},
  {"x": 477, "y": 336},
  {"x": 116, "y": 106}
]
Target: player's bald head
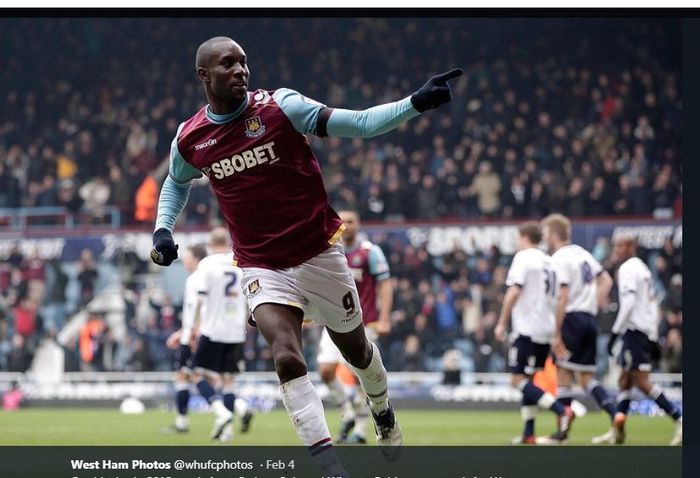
[
  {"x": 211, "y": 47},
  {"x": 627, "y": 240},
  {"x": 624, "y": 247}
]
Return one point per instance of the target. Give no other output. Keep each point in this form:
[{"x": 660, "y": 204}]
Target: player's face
[
  {"x": 188, "y": 261},
  {"x": 622, "y": 250},
  {"x": 352, "y": 225},
  {"x": 228, "y": 72}
]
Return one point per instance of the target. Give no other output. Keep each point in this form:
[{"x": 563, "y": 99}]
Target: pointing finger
[{"x": 455, "y": 73}]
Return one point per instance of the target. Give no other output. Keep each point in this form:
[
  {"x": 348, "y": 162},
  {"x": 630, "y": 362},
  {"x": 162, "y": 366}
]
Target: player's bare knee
[
  {"x": 624, "y": 381},
  {"x": 564, "y": 377},
  {"x": 327, "y": 372},
  {"x": 359, "y": 355},
  {"x": 289, "y": 365},
  {"x": 584, "y": 378},
  {"x": 641, "y": 381}
]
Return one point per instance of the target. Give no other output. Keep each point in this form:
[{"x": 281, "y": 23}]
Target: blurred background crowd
[
  {"x": 445, "y": 310},
  {"x": 578, "y": 116}
]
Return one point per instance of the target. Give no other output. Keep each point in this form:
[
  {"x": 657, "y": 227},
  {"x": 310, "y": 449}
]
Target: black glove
[
  {"x": 611, "y": 344},
  {"x": 164, "y": 250},
  {"x": 435, "y": 92}
]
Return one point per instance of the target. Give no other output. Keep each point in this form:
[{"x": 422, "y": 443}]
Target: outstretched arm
[
  {"x": 173, "y": 197},
  {"x": 309, "y": 116}
]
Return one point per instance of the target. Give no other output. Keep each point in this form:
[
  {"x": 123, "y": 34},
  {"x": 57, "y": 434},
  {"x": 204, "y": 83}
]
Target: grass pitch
[{"x": 420, "y": 427}]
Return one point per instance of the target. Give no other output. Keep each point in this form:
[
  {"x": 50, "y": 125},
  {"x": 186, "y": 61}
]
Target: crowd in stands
[
  {"x": 578, "y": 116},
  {"x": 575, "y": 116},
  {"x": 443, "y": 306}
]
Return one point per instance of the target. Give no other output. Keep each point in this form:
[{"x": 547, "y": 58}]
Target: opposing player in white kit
[
  {"x": 530, "y": 301},
  {"x": 222, "y": 332},
  {"x": 182, "y": 338},
  {"x": 370, "y": 270},
  {"x": 583, "y": 285},
  {"x": 637, "y": 326}
]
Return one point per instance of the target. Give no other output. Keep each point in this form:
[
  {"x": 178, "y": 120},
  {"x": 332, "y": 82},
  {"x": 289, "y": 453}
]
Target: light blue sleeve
[
  {"x": 378, "y": 265},
  {"x": 372, "y": 121},
  {"x": 173, "y": 197},
  {"x": 303, "y": 113},
  {"x": 176, "y": 188},
  {"x": 180, "y": 170}
]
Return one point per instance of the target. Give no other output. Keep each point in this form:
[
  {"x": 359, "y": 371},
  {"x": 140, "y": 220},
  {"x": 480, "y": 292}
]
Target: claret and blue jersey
[{"x": 262, "y": 170}]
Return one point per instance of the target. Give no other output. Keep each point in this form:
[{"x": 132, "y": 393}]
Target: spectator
[
  {"x": 95, "y": 194},
  {"x": 487, "y": 187},
  {"x": 12, "y": 398},
  {"x": 20, "y": 356},
  {"x": 87, "y": 276}
]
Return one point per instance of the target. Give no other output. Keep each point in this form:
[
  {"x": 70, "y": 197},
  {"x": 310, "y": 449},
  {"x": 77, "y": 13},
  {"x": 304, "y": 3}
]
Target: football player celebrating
[{"x": 268, "y": 184}]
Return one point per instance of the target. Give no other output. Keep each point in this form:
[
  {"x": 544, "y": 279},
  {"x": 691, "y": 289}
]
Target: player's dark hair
[
  {"x": 532, "y": 231},
  {"x": 198, "y": 251}
]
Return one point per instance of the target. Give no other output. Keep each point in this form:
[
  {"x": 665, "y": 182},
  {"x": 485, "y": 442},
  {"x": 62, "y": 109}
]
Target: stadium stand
[{"x": 551, "y": 117}]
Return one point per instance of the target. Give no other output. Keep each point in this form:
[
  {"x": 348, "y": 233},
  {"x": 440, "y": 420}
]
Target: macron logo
[{"x": 211, "y": 142}]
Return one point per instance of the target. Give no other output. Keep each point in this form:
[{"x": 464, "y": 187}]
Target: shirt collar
[{"x": 225, "y": 118}]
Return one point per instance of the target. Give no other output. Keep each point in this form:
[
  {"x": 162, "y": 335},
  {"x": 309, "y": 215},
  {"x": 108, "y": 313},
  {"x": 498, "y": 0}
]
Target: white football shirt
[
  {"x": 634, "y": 279},
  {"x": 225, "y": 310},
  {"x": 533, "y": 312},
  {"x": 577, "y": 268},
  {"x": 190, "y": 301}
]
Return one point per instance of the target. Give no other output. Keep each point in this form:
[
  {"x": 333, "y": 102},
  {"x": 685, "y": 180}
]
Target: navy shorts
[
  {"x": 217, "y": 357},
  {"x": 636, "y": 351},
  {"x": 579, "y": 334},
  {"x": 526, "y": 357},
  {"x": 184, "y": 358}
]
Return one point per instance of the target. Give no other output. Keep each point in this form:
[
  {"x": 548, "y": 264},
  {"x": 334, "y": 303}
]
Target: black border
[
  {"x": 342, "y": 12},
  {"x": 691, "y": 329}
]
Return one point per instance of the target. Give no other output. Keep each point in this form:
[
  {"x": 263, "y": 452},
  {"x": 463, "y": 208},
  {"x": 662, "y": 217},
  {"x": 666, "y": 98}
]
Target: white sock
[
  {"x": 546, "y": 401},
  {"x": 341, "y": 398},
  {"x": 337, "y": 392},
  {"x": 374, "y": 381},
  {"x": 305, "y": 409},
  {"x": 528, "y": 412},
  {"x": 361, "y": 415},
  {"x": 218, "y": 407},
  {"x": 240, "y": 407}
]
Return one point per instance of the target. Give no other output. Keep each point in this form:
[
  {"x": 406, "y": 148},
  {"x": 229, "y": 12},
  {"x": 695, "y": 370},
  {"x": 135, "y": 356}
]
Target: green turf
[{"x": 420, "y": 427}]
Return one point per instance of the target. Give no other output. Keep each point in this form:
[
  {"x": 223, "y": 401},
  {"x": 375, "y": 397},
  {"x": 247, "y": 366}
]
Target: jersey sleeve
[
  {"x": 378, "y": 265},
  {"x": 370, "y": 122},
  {"x": 626, "y": 281},
  {"x": 180, "y": 170},
  {"x": 302, "y": 111},
  {"x": 517, "y": 271},
  {"x": 596, "y": 267},
  {"x": 310, "y": 116},
  {"x": 562, "y": 269},
  {"x": 203, "y": 280},
  {"x": 176, "y": 187},
  {"x": 189, "y": 307}
]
